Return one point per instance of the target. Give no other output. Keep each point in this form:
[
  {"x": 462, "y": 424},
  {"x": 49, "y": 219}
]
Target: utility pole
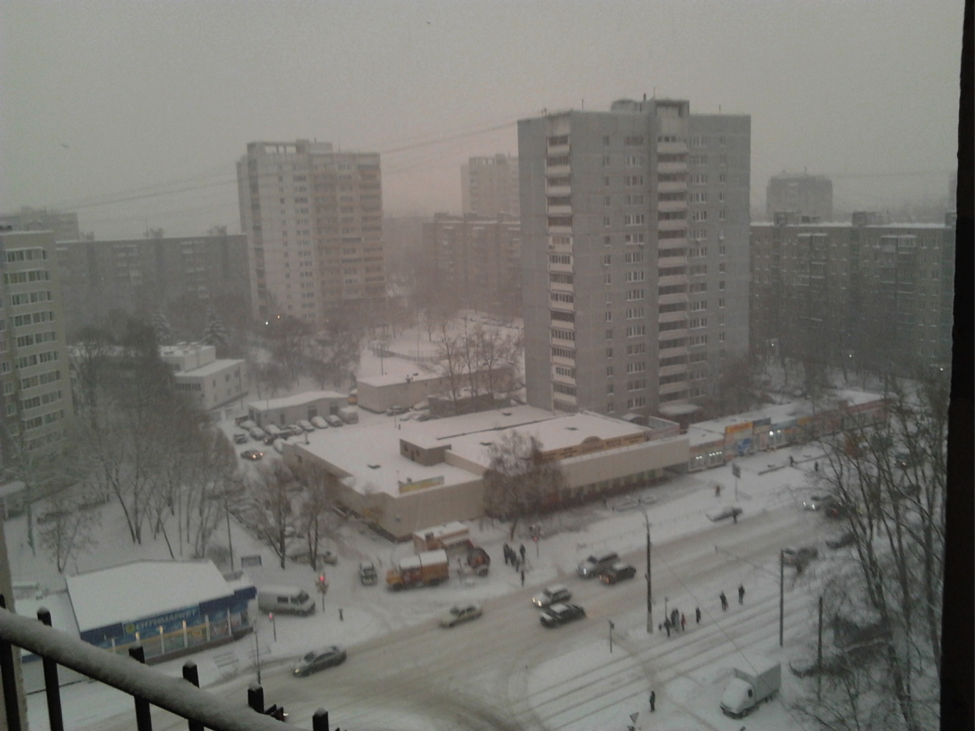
[
  {"x": 819, "y": 655},
  {"x": 649, "y": 574},
  {"x": 781, "y": 598}
]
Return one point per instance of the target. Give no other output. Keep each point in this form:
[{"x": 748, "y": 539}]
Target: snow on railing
[{"x": 145, "y": 685}]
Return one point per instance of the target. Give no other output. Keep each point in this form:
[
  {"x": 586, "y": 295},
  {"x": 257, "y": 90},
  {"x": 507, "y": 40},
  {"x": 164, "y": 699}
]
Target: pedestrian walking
[
  {"x": 653, "y": 700},
  {"x": 717, "y": 490},
  {"x": 724, "y": 601},
  {"x": 697, "y": 615},
  {"x": 667, "y": 626},
  {"x": 741, "y": 594},
  {"x": 522, "y": 578},
  {"x": 683, "y": 622},
  {"x": 675, "y": 618},
  {"x": 816, "y": 466},
  {"x": 521, "y": 550},
  {"x": 792, "y": 461},
  {"x": 507, "y": 554}
]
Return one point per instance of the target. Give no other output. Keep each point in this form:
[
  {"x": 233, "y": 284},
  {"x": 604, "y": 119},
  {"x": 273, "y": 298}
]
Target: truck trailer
[
  {"x": 426, "y": 568},
  {"x": 751, "y": 686}
]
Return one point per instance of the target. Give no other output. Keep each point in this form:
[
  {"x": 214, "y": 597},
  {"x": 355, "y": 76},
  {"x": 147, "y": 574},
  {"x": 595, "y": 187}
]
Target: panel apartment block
[
  {"x": 800, "y": 193},
  {"x": 36, "y": 408},
  {"x": 634, "y": 255},
  {"x": 858, "y": 295},
  {"x": 489, "y": 185},
  {"x": 313, "y": 219},
  {"x": 141, "y": 276}
]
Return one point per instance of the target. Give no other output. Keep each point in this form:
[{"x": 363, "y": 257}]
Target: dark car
[
  {"x": 799, "y": 557},
  {"x": 729, "y": 512},
  {"x": 844, "y": 539},
  {"x": 617, "y": 573},
  {"x": 252, "y": 454},
  {"x": 561, "y": 614},
  {"x": 816, "y": 503},
  {"x": 317, "y": 660}
]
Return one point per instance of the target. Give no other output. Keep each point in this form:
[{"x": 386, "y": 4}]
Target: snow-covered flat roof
[
  {"x": 296, "y": 400},
  {"x": 214, "y": 367},
  {"x": 142, "y": 589}
]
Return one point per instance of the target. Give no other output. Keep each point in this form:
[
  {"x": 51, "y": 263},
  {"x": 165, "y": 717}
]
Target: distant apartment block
[
  {"x": 477, "y": 260},
  {"x": 313, "y": 220},
  {"x": 865, "y": 294},
  {"x": 37, "y": 409},
  {"x": 64, "y": 225},
  {"x": 209, "y": 382},
  {"x": 809, "y": 196},
  {"x": 634, "y": 255},
  {"x": 141, "y": 276},
  {"x": 489, "y": 186}
]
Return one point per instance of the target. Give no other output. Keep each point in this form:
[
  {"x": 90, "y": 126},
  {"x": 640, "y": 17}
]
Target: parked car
[
  {"x": 319, "y": 423},
  {"x": 815, "y": 503},
  {"x": 252, "y": 454},
  {"x": 257, "y": 433},
  {"x": 278, "y": 446},
  {"x": 306, "y": 425},
  {"x": 459, "y": 614},
  {"x": 561, "y": 614},
  {"x": 295, "y": 430},
  {"x": 799, "y": 557},
  {"x": 552, "y": 595},
  {"x": 728, "y": 512},
  {"x": 240, "y": 438},
  {"x": 247, "y": 424},
  {"x": 328, "y": 556},
  {"x": 367, "y": 573},
  {"x": 844, "y": 539},
  {"x": 617, "y": 573},
  {"x": 317, "y": 660},
  {"x": 397, "y": 410},
  {"x": 333, "y": 421}
]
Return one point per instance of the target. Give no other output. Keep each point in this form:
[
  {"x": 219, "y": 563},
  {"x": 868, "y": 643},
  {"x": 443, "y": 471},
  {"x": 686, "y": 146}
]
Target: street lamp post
[{"x": 649, "y": 574}]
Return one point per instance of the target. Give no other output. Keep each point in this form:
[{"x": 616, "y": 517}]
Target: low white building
[
  {"x": 290, "y": 409},
  {"x": 210, "y": 382}
]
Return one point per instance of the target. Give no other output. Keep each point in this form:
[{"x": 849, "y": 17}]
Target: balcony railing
[{"x": 146, "y": 686}]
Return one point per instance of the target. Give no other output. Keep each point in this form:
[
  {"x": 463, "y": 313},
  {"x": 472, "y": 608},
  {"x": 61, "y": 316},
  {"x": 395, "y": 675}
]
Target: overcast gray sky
[{"x": 148, "y": 105}]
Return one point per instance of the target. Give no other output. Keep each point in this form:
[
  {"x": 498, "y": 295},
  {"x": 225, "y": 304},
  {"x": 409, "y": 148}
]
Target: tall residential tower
[
  {"x": 489, "y": 186},
  {"x": 635, "y": 261},
  {"x": 313, "y": 220}
]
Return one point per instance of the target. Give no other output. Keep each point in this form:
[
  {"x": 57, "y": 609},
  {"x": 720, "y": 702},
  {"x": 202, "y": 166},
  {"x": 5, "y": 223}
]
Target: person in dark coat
[
  {"x": 683, "y": 621},
  {"x": 792, "y": 461},
  {"x": 653, "y": 700},
  {"x": 675, "y": 618},
  {"x": 667, "y": 626},
  {"x": 522, "y": 578},
  {"x": 697, "y": 615},
  {"x": 507, "y": 554},
  {"x": 724, "y": 601},
  {"x": 521, "y": 550},
  {"x": 741, "y": 594}
]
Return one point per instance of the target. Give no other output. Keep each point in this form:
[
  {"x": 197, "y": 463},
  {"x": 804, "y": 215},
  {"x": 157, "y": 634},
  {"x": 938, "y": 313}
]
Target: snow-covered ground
[{"x": 354, "y": 614}]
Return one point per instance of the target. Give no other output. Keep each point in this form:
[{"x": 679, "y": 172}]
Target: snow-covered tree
[{"x": 214, "y": 334}]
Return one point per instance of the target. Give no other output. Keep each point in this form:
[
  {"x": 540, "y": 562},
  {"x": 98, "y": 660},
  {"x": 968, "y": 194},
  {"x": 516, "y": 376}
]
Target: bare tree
[
  {"x": 266, "y": 507},
  {"x": 287, "y": 337},
  {"x": 316, "y": 517},
  {"x": 450, "y": 363},
  {"x": 69, "y": 528},
  {"x": 334, "y": 351},
  {"x": 890, "y": 480},
  {"x": 520, "y": 482}
]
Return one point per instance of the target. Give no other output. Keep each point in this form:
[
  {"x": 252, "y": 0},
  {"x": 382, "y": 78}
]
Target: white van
[{"x": 285, "y": 599}]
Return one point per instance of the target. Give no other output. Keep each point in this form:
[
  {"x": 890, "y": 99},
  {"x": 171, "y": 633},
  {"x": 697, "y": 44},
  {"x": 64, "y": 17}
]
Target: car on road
[
  {"x": 460, "y": 614},
  {"x": 817, "y": 502},
  {"x": 844, "y": 539},
  {"x": 596, "y": 563},
  {"x": 560, "y": 614},
  {"x": 317, "y": 660},
  {"x": 728, "y": 512},
  {"x": 252, "y": 454},
  {"x": 367, "y": 573},
  {"x": 552, "y": 595},
  {"x": 799, "y": 557},
  {"x": 319, "y": 423},
  {"x": 328, "y": 557},
  {"x": 617, "y": 573}
]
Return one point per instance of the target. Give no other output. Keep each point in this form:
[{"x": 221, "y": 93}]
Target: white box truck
[{"x": 752, "y": 684}]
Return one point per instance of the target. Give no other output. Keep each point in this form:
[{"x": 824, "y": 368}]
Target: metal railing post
[
  {"x": 10, "y": 697},
  {"x": 319, "y": 721},
  {"x": 52, "y": 687},
  {"x": 255, "y": 698},
  {"x": 192, "y": 674},
  {"x": 143, "y": 715}
]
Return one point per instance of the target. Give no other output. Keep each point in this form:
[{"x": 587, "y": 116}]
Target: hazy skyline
[{"x": 134, "y": 114}]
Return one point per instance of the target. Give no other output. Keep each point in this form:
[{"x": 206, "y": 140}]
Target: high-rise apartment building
[
  {"x": 808, "y": 196},
  {"x": 142, "y": 276},
  {"x": 36, "y": 407},
  {"x": 489, "y": 186},
  {"x": 475, "y": 261},
  {"x": 634, "y": 255},
  {"x": 867, "y": 294},
  {"x": 313, "y": 220},
  {"x": 64, "y": 225}
]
